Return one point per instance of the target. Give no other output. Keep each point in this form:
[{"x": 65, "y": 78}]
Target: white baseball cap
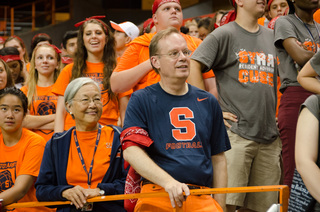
[{"x": 127, "y": 27}]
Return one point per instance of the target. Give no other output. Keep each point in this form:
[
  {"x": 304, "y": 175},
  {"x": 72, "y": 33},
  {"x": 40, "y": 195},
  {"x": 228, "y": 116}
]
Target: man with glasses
[{"x": 174, "y": 135}]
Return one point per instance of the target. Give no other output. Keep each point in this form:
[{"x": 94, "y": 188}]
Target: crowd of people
[{"x": 228, "y": 101}]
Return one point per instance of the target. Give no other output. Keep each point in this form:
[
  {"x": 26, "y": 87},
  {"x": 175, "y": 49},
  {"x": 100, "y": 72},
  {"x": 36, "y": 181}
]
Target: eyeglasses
[
  {"x": 175, "y": 54},
  {"x": 87, "y": 101}
]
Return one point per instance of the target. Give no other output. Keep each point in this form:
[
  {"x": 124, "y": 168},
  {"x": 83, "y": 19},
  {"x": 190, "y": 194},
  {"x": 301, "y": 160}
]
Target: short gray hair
[{"x": 74, "y": 86}]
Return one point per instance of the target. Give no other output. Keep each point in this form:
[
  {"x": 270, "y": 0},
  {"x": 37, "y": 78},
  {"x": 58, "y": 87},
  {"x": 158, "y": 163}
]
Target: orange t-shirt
[
  {"x": 110, "y": 111},
  {"x": 261, "y": 21},
  {"x": 138, "y": 52},
  {"x": 45, "y": 104},
  {"x": 87, "y": 140},
  {"x": 24, "y": 158},
  {"x": 208, "y": 74},
  {"x": 316, "y": 16}
]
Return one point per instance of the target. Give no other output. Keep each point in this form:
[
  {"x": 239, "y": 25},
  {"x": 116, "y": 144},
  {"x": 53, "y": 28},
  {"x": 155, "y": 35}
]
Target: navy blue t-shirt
[{"x": 187, "y": 130}]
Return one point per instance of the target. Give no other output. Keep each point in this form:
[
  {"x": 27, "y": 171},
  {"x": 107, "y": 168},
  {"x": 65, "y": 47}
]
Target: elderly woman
[{"x": 84, "y": 161}]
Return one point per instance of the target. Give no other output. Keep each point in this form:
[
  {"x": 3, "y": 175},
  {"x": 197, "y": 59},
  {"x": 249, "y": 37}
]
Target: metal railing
[
  {"x": 282, "y": 189},
  {"x": 27, "y": 14}
]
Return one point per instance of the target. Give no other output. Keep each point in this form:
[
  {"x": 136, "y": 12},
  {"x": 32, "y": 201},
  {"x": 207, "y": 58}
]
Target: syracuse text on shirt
[
  {"x": 185, "y": 129},
  {"x": 256, "y": 67}
]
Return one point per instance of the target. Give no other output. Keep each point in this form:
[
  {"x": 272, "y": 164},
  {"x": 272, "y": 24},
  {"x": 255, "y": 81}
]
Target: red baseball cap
[{"x": 158, "y": 3}]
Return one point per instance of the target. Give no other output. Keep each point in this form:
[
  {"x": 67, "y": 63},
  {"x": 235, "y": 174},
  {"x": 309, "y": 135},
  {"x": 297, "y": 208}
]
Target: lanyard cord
[
  {"x": 89, "y": 174},
  {"x": 306, "y": 26}
]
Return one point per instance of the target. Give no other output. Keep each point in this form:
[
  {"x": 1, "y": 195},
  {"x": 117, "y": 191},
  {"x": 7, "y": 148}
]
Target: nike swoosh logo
[{"x": 200, "y": 100}]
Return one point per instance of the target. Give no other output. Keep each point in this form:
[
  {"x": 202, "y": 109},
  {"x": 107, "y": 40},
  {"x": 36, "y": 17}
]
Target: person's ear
[
  {"x": 155, "y": 62},
  {"x": 69, "y": 108},
  {"x": 128, "y": 39},
  {"x": 155, "y": 20},
  {"x": 239, "y": 3}
]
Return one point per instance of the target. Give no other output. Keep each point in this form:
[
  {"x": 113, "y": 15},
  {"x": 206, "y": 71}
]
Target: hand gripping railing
[{"x": 282, "y": 189}]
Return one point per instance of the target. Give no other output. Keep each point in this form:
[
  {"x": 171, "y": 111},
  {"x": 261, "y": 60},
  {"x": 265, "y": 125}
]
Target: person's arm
[
  {"x": 131, "y": 76},
  {"x": 123, "y": 101},
  {"x": 306, "y": 151},
  {"x": 307, "y": 79},
  {"x": 60, "y": 115},
  {"x": 211, "y": 86},
  {"x": 49, "y": 126},
  {"x": 21, "y": 187},
  {"x": 220, "y": 177},
  {"x": 300, "y": 55},
  {"x": 146, "y": 167},
  {"x": 39, "y": 122},
  {"x": 195, "y": 78}
]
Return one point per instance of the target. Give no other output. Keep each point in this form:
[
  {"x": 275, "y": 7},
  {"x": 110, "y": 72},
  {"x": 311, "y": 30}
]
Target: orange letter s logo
[{"x": 187, "y": 124}]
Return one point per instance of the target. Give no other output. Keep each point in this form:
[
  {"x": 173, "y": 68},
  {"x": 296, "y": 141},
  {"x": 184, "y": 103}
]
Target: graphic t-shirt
[
  {"x": 24, "y": 158},
  {"x": 308, "y": 35},
  {"x": 245, "y": 67},
  {"x": 110, "y": 110},
  {"x": 44, "y": 104},
  {"x": 76, "y": 174},
  {"x": 187, "y": 130}
]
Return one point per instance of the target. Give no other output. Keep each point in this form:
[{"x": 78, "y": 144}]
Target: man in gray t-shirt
[{"x": 242, "y": 55}]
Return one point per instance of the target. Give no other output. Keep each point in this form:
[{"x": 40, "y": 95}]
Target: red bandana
[
  {"x": 93, "y": 17},
  {"x": 158, "y": 3},
  {"x": 56, "y": 49},
  {"x": 9, "y": 58}
]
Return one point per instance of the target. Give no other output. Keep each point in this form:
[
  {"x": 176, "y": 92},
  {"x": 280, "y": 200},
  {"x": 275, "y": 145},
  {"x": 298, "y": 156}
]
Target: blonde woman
[{"x": 44, "y": 70}]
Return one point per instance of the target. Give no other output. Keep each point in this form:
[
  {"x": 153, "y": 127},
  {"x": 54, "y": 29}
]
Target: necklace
[{"x": 309, "y": 31}]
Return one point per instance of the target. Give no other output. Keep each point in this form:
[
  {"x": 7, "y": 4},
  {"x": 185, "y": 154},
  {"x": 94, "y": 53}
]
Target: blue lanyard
[
  {"x": 89, "y": 174},
  {"x": 305, "y": 25}
]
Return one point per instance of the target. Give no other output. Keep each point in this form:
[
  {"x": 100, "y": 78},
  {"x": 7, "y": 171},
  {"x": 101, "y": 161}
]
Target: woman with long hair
[
  {"x": 44, "y": 71},
  {"x": 95, "y": 58}
]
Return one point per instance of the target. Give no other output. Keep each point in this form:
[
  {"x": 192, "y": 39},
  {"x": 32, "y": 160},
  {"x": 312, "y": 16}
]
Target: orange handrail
[
  {"x": 33, "y": 16},
  {"x": 282, "y": 189}
]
